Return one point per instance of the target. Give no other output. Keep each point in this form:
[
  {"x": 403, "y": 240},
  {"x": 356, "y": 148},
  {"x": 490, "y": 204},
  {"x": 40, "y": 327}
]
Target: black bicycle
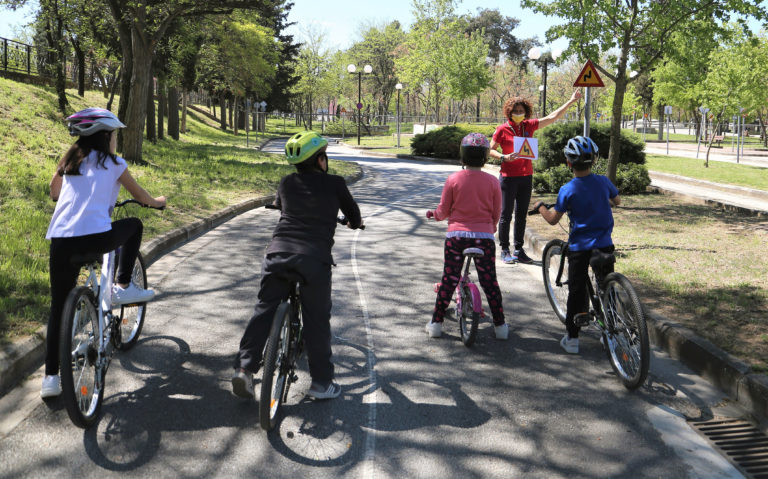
[
  {"x": 615, "y": 309},
  {"x": 284, "y": 347}
]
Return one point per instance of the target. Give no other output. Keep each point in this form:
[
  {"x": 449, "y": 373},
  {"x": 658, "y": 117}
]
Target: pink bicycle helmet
[
  {"x": 474, "y": 149},
  {"x": 89, "y": 121}
]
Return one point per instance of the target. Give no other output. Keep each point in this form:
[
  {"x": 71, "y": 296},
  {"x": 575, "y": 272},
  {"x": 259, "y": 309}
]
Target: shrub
[
  {"x": 631, "y": 179},
  {"x": 444, "y": 142},
  {"x": 552, "y": 140}
]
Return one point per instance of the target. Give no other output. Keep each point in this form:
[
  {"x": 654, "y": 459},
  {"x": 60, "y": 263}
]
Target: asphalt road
[{"x": 410, "y": 406}]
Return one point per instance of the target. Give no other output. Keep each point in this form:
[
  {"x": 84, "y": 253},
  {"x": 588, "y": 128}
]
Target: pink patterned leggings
[{"x": 486, "y": 271}]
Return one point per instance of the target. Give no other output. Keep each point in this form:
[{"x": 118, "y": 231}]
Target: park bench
[{"x": 717, "y": 139}]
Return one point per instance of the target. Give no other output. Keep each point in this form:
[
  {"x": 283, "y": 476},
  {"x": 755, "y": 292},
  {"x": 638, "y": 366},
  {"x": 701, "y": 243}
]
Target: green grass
[
  {"x": 207, "y": 170},
  {"x": 752, "y": 141},
  {"x": 718, "y": 171},
  {"x": 699, "y": 266}
]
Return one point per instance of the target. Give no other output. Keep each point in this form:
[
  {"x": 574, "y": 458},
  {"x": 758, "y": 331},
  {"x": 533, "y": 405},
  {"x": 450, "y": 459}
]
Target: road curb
[
  {"x": 728, "y": 373},
  {"x": 20, "y": 358}
]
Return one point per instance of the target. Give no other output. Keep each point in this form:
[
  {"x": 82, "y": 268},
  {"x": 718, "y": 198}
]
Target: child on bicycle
[
  {"x": 471, "y": 201},
  {"x": 587, "y": 199},
  {"x": 301, "y": 244},
  {"x": 85, "y": 187}
]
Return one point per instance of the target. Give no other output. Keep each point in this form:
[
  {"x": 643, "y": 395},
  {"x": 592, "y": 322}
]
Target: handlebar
[
  {"x": 535, "y": 211},
  {"x": 342, "y": 220},
  {"x": 120, "y": 204}
]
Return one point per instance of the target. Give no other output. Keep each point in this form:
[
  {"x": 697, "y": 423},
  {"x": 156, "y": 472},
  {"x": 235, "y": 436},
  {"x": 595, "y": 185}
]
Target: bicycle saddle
[
  {"x": 600, "y": 260},
  {"x": 474, "y": 252},
  {"x": 85, "y": 258}
]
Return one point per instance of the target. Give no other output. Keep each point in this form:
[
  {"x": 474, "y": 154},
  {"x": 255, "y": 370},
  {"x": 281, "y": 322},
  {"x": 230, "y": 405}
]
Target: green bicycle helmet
[{"x": 303, "y": 146}]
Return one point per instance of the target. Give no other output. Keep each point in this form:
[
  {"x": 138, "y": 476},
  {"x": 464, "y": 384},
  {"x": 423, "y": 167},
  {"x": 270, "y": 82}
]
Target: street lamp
[
  {"x": 351, "y": 68},
  {"x": 398, "y": 87},
  {"x": 541, "y": 93},
  {"x": 534, "y": 54}
]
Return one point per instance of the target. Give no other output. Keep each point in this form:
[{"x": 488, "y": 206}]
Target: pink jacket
[{"x": 471, "y": 201}]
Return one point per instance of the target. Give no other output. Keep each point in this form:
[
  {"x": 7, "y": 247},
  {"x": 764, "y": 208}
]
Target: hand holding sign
[{"x": 526, "y": 147}]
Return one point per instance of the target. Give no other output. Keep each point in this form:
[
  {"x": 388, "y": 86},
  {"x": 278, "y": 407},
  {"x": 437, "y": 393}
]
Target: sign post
[
  {"x": 588, "y": 78},
  {"x": 702, "y": 130},
  {"x": 247, "y": 118},
  {"x": 739, "y": 150}
]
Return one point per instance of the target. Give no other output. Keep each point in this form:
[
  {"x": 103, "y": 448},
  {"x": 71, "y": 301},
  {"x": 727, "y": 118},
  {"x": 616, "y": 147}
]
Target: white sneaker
[
  {"x": 434, "y": 330},
  {"x": 502, "y": 331},
  {"x": 51, "y": 387},
  {"x": 131, "y": 294},
  {"x": 571, "y": 346}
]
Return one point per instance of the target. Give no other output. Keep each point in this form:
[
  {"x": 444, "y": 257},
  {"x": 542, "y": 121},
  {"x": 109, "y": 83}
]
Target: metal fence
[{"x": 29, "y": 60}]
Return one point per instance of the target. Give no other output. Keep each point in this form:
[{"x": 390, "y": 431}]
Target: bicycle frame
[
  {"x": 594, "y": 289},
  {"x": 466, "y": 280}
]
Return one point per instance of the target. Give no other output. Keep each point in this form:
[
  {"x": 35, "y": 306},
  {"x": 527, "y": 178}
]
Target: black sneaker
[
  {"x": 522, "y": 257},
  {"x": 242, "y": 384}
]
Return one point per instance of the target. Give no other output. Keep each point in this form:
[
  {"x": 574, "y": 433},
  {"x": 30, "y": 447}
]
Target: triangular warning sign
[
  {"x": 588, "y": 76},
  {"x": 525, "y": 150}
]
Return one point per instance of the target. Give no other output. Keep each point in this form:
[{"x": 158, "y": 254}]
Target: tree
[
  {"x": 141, "y": 25},
  {"x": 497, "y": 34},
  {"x": 466, "y": 71},
  {"x": 638, "y": 31}
]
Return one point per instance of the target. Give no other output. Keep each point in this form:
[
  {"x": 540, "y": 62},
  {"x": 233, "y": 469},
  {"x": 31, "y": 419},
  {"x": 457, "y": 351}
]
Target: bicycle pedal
[{"x": 582, "y": 319}]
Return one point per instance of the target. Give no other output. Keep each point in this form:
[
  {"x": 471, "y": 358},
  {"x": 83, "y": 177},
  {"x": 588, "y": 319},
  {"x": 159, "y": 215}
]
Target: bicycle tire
[
  {"x": 550, "y": 264},
  {"x": 81, "y": 377},
  {"x": 627, "y": 339},
  {"x": 275, "y": 373},
  {"x": 468, "y": 317},
  {"x": 131, "y": 317}
]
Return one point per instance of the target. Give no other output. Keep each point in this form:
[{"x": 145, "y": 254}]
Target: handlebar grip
[
  {"x": 271, "y": 206},
  {"x": 342, "y": 220},
  {"x": 430, "y": 214},
  {"x": 535, "y": 210}
]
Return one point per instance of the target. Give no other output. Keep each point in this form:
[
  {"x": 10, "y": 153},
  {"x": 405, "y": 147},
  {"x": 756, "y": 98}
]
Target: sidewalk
[
  {"x": 737, "y": 198},
  {"x": 751, "y": 157}
]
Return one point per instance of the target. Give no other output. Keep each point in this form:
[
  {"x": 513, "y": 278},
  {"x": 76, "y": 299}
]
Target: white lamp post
[
  {"x": 535, "y": 54},
  {"x": 398, "y": 87},
  {"x": 351, "y": 68}
]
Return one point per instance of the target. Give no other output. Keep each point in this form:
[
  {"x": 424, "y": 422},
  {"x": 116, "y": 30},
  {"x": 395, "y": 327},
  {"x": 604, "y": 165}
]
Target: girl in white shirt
[{"x": 85, "y": 187}]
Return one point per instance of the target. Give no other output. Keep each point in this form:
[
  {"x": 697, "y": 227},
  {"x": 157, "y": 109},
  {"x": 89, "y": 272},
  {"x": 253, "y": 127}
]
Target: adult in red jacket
[{"x": 517, "y": 173}]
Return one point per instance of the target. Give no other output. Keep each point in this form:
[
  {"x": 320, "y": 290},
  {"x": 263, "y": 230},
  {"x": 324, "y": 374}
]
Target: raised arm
[
  {"x": 555, "y": 115},
  {"x": 139, "y": 193}
]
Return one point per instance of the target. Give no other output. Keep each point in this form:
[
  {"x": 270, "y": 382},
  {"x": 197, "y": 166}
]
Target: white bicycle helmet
[{"x": 91, "y": 120}]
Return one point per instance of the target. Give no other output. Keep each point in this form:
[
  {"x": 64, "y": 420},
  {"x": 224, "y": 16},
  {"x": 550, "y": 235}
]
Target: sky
[{"x": 340, "y": 20}]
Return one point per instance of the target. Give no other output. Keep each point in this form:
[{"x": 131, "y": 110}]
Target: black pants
[
  {"x": 578, "y": 276},
  {"x": 515, "y": 196},
  {"x": 125, "y": 233},
  {"x": 315, "y": 310}
]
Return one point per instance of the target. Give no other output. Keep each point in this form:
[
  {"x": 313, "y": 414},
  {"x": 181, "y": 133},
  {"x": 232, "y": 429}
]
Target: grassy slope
[
  {"x": 204, "y": 172},
  {"x": 718, "y": 171}
]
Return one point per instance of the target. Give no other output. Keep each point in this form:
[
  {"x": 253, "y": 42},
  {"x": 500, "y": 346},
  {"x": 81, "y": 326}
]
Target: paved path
[
  {"x": 688, "y": 150},
  {"x": 743, "y": 198},
  {"x": 411, "y": 406}
]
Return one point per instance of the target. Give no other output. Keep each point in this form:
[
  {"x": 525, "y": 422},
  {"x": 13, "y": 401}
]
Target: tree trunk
[
  {"x": 126, "y": 69},
  {"x": 173, "y": 112},
  {"x": 115, "y": 84},
  {"x": 660, "y": 114},
  {"x": 55, "y": 38},
  {"x": 80, "y": 54},
  {"x": 223, "y": 111},
  {"x": 151, "y": 131},
  {"x": 236, "y": 115},
  {"x": 184, "y": 99},
  {"x": 162, "y": 101},
  {"x": 136, "y": 113}
]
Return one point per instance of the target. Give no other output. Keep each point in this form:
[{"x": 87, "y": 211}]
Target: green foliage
[
  {"x": 631, "y": 179},
  {"x": 553, "y": 139},
  {"x": 444, "y": 142},
  {"x": 550, "y": 180}
]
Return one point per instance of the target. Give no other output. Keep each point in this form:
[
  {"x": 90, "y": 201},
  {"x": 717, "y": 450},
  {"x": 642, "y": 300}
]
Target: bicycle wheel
[
  {"x": 468, "y": 317},
  {"x": 627, "y": 331},
  {"x": 81, "y": 376},
  {"x": 550, "y": 264},
  {"x": 275, "y": 371},
  {"x": 131, "y": 317}
]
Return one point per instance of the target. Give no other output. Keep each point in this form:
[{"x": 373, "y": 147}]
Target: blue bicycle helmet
[{"x": 580, "y": 151}]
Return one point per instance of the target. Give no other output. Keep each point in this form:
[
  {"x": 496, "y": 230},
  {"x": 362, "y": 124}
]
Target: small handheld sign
[
  {"x": 589, "y": 77},
  {"x": 526, "y": 147}
]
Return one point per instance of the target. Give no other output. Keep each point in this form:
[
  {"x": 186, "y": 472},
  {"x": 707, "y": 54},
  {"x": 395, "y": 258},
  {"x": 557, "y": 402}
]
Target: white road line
[{"x": 370, "y": 438}]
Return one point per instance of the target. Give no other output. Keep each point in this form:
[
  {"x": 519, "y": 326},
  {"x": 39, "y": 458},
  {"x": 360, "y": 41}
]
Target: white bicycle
[{"x": 92, "y": 329}]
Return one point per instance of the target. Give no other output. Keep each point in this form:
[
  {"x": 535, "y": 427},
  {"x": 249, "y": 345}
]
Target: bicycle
[
  {"x": 615, "y": 309},
  {"x": 469, "y": 302},
  {"x": 284, "y": 347},
  {"x": 91, "y": 332}
]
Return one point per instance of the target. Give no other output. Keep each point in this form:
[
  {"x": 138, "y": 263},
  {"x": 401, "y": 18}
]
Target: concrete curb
[
  {"x": 22, "y": 357},
  {"x": 738, "y": 190}
]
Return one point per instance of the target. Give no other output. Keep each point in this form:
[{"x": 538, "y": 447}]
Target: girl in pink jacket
[{"x": 471, "y": 202}]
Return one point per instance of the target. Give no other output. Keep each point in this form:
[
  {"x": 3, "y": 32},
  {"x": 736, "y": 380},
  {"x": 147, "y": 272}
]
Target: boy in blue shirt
[{"x": 587, "y": 199}]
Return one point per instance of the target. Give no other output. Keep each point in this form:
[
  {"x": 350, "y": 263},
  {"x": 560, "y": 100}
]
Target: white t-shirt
[{"x": 86, "y": 201}]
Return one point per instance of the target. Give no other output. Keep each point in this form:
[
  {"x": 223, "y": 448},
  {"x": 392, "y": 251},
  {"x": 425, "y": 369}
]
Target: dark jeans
[
  {"x": 578, "y": 276},
  {"x": 125, "y": 233},
  {"x": 486, "y": 272},
  {"x": 315, "y": 311},
  {"x": 515, "y": 197}
]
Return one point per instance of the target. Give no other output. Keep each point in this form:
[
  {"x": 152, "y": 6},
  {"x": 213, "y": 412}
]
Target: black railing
[{"x": 20, "y": 57}]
